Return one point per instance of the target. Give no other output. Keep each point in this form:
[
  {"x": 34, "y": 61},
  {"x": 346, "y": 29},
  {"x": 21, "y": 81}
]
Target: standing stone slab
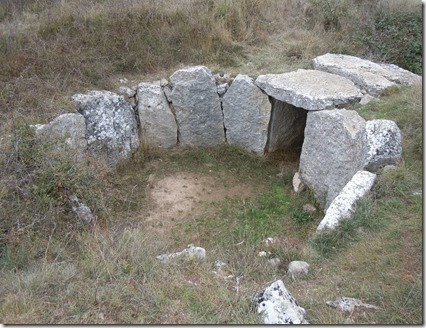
[
  {"x": 246, "y": 111},
  {"x": 309, "y": 89},
  {"x": 157, "y": 122},
  {"x": 342, "y": 206},
  {"x": 198, "y": 111},
  {"x": 372, "y": 77},
  {"x": 286, "y": 127},
  {"x": 111, "y": 127},
  {"x": 383, "y": 144},
  {"x": 333, "y": 151},
  {"x": 69, "y": 130}
]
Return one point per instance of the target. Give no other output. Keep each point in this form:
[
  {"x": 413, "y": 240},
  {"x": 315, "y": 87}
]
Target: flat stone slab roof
[{"x": 309, "y": 89}]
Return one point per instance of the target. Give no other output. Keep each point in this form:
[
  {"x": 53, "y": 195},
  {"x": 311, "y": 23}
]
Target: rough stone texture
[
  {"x": 309, "y": 208},
  {"x": 372, "y": 77},
  {"x": 82, "y": 211},
  {"x": 342, "y": 206},
  {"x": 286, "y": 127},
  {"x": 191, "y": 252},
  {"x": 296, "y": 268},
  {"x": 278, "y": 306},
  {"x": 366, "y": 99},
  {"x": 349, "y": 305},
  {"x": 309, "y": 89},
  {"x": 157, "y": 122},
  {"x": 333, "y": 151},
  {"x": 298, "y": 185},
  {"x": 246, "y": 111},
  {"x": 383, "y": 144},
  {"x": 111, "y": 127},
  {"x": 68, "y": 129},
  {"x": 198, "y": 111}
]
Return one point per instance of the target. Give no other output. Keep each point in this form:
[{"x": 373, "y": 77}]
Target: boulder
[
  {"x": 309, "y": 89},
  {"x": 278, "y": 306},
  {"x": 190, "y": 252},
  {"x": 157, "y": 122},
  {"x": 296, "y": 268},
  {"x": 197, "y": 105},
  {"x": 246, "y": 111},
  {"x": 349, "y": 305},
  {"x": 69, "y": 130},
  {"x": 333, "y": 151},
  {"x": 286, "y": 127},
  {"x": 383, "y": 144},
  {"x": 342, "y": 206},
  {"x": 111, "y": 127},
  {"x": 372, "y": 77}
]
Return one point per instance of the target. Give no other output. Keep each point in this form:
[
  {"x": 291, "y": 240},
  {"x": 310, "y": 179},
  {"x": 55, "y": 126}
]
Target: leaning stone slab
[
  {"x": 278, "y": 306},
  {"x": 372, "y": 77},
  {"x": 157, "y": 122},
  {"x": 383, "y": 144},
  {"x": 246, "y": 111},
  {"x": 111, "y": 127},
  {"x": 309, "y": 89},
  {"x": 349, "y": 304},
  {"x": 333, "y": 151},
  {"x": 190, "y": 252},
  {"x": 69, "y": 129},
  {"x": 342, "y": 206},
  {"x": 196, "y": 102}
]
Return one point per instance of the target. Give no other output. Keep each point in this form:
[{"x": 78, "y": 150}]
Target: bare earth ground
[{"x": 182, "y": 195}]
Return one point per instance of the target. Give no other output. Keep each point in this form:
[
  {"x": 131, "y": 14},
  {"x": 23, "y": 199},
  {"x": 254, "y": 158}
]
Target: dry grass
[{"x": 60, "y": 271}]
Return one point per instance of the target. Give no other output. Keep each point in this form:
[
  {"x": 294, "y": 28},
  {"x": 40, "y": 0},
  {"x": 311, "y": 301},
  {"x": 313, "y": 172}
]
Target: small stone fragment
[
  {"x": 274, "y": 262},
  {"x": 222, "y": 88},
  {"x": 309, "y": 208},
  {"x": 269, "y": 240},
  {"x": 296, "y": 268},
  {"x": 219, "y": 265},
  {"x": 262, "y": 254},
  {"x": 366, "y": 99},
  {"x": 190, "y": 251},
  {"x": 278, "y": 306},
  {"x": 127, "y": 91},
  {"x": 349, "y": 305},
  {"x": 82, "y": 210},
  {"x": 298, "y": 185},
  {"x": 389, "y": 168}
]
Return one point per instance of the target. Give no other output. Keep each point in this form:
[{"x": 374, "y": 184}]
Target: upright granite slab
[
  {"x": 370, "y": 76},
  {"x": 197, "y": 105},
  {"x": 157, "y": 122},
  {"x": 333, "y": 151},
  {"x": 309, "y": 89},
  {"x": 287, "y": 126},
  {"x": 246, "y": 111},
  {"x": 111, "y": 127}
]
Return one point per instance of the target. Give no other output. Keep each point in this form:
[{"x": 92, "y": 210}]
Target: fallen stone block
[
  {"x": 349, "y": 305},
  {"x": 342, "y": 206},
  {"x": 190, "y": 252}
]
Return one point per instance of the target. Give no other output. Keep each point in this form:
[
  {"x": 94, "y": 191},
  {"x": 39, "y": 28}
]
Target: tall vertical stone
[
  {"x": 197, "y": 105},
  {"x": 334, "y": 149},
  {"x": 157, "y": 122},
  {"x": 246, "y": 111}
]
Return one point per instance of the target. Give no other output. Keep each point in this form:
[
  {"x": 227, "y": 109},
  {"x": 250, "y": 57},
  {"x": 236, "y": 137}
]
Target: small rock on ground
[
  {"x": 348, "y": 304},
  {"x": 296, "y": 268}
]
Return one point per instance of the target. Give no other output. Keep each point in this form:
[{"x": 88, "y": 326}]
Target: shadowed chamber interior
[{"x": 286, "y": 128}]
